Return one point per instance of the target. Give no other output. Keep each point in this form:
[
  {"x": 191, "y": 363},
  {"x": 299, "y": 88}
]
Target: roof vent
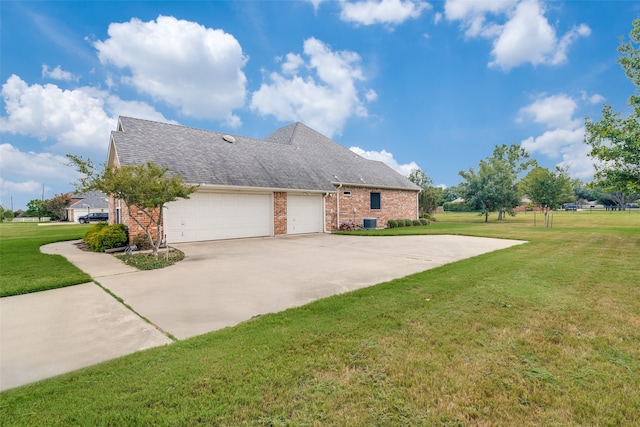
[{"x": 229, "y": 138}]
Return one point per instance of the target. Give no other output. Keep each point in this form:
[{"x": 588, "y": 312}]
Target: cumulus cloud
[
  {"x": 58, "y": 73},
  {"x": 186, "y": 65},
  {"x": 555, "y": 111},
  {"x": 386, "y": 158},
  {"x": 81, "y": 118},
  {"x": 24, "y": 173},
  {"x": 387, "y": 12},
  {"x": 520, "y": 31},
  {"x": 563, "y": 134},
  {"x": 318, "y": 88}
]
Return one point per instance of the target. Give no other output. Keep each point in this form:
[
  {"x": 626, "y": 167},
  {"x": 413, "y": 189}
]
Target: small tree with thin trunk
[
  {"x": 146, "y": 188},
  {"x": 546, "y": 189}
]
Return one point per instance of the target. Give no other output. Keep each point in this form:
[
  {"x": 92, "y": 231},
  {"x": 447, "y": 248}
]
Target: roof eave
[{"x": 385, "y": 187}]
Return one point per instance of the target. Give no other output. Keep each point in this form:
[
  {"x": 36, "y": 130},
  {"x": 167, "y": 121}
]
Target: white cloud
[
  {"x": 324, "y": 97},
  {"x": 386, "y": 158},
  {"x": 186, "y": 65},
  {"x": 315, "y": 3},
  {"x": 554, "y": 142},
  {"x": 563, "y": 135},
  {"x": 520, "y": 31},
  {"x": 594, "y": 99},
  {"x": 81, "y": 118},
  {"x": 554, "y": 111},
  {"x": 23, "y": 174},
  {"x": 58, "y": 73},
  {"x": 389, "y": 12}
]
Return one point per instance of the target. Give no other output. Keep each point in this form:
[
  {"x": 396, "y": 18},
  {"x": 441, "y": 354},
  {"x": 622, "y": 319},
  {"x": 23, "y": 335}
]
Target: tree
[
  {"x": 145, "y": 188},
  {"x": 429, "y": 195},
  {"x": 5, "y": 213},
  {"x": 35, "y": 209},
  {"x": 495, "y": 186},
  {"x": 548, "y": 190},
  {"x": 57, "y": 205},
  {"x": 615, "y": 141}
]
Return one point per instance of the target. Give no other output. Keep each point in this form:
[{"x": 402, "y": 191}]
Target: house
[
  {"x": 293, "y": 181},
  {"x": 86, "y": 203}
]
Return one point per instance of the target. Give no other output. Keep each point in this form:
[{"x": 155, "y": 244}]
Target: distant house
[
  {"x": 294, "y": 181},
  {"x": 85, "y": 203}
]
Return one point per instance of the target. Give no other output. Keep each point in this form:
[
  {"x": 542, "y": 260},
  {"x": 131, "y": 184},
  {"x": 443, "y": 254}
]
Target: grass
[
  {"x": 546, "y": 333},
  {"x": 25, "y": 269}
]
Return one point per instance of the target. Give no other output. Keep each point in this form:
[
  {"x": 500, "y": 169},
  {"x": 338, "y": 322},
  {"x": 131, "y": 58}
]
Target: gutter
[{"x": 385, "y": 187}]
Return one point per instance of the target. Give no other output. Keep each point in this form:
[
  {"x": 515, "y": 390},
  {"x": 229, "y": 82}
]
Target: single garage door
[
  {"x": 304, "y": 214},
  {"x": 214, "y": 216}
]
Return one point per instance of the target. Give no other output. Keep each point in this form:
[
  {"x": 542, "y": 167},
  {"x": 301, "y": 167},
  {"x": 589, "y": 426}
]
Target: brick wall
[
  {"x": 394, "y": 204},
  {"x": 279, "y": 213}
]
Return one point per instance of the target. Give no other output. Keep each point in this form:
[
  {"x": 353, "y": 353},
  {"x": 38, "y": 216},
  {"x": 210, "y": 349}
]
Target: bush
[
  {"x": 400, "y": 222},
  {"x": 416, "y": 222},
  {"x": 392, "y": 223},
  {"x": 455, "y": 207},
  {"x": 408, "y": 223},
  {"x": 90, "y": 236},
  {"x": 424, "y": 221},
  {"x": 141, "y": 241},
  {"x": 102, "y": 236}
]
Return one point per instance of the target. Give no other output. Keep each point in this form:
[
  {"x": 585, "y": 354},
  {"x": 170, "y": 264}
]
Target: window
[
  {"x": 347, "y": 192},
  {"x": 375, "y": 201}
]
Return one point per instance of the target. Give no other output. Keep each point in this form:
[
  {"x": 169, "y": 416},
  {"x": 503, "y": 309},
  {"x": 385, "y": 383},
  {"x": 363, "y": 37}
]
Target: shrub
[
  {"x": 408, "y": 223},
  {"x": 102, "y": 236},
  {"x": 424, "y": 221},
  {"x": 141, "y": 241},
  {"x": 425, "y": 215},
  {"x": 416, "y": 222},
  {"x": 91, "y": 235},
  {"x": 392, "y": 223},
  {"x": 400, "y": 222},
  {"x": 455, "y": 207}
]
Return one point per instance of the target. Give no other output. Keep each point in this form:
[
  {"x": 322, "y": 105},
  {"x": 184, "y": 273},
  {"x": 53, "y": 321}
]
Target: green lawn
[
  {"x": 25, "y": 269},
  {"x": 546, "y": 333}
]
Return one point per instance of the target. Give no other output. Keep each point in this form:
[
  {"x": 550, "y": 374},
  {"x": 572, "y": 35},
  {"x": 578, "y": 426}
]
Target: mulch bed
[{"x": 83, "y": 246}]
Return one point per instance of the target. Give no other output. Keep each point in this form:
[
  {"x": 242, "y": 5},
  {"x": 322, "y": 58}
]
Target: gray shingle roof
[
  {"x": 293, "y": 157},
  {"x": 90, "y": 199}
]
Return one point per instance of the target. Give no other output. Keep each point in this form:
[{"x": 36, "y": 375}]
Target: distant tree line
[{"x": 54, "y": 208}]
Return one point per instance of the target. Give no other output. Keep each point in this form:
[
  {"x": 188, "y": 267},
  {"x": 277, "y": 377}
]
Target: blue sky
[{"x": 434, "y": 85}]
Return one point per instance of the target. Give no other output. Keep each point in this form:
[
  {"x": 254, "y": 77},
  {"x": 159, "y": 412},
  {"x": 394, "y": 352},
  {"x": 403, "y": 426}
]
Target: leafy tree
[
  {"x": 429, "y": 196},
  {"x": 145, "y": 188},
  {"x": 548, "y": 190},
  {"x": 35, "y": 209},
  {"x": 615, "y": 141},
  {"x": 582, "y": 192},
  {"x": 494, "y": 187},
  {"x": 57, "y": 205},
  {"x": 450, "y": 194},
  {"x": 5, "y": 213}
]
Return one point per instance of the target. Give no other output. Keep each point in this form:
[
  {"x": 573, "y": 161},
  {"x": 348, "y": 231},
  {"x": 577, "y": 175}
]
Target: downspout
[
  {"x": 324, "y": 212},
  {"x": 338, "y": 207}
]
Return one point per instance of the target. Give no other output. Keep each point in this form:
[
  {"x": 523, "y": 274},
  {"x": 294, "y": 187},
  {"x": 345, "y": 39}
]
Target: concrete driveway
[
  {"x": 218, "y": 284},
  {"x": 226, "y": 282}
]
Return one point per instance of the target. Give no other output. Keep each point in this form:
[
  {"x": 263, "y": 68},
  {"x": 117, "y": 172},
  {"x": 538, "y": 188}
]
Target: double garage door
[{"x": 215, "y": 216}]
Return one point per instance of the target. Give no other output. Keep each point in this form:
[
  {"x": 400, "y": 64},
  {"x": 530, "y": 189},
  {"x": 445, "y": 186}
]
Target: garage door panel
[
  {"x": 304, "y": 214},
  {"x": 213, "y": 216}
]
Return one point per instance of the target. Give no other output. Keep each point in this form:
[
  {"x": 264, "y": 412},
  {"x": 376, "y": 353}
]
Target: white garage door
[
  {"x": 304, "y": 214},
  {"x": 214, "y": 216}
]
